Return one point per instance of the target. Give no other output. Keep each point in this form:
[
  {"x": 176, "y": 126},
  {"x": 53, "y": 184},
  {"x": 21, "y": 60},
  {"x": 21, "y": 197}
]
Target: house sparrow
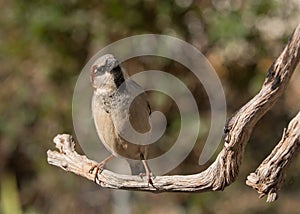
[{"x": 116, "y": 105}]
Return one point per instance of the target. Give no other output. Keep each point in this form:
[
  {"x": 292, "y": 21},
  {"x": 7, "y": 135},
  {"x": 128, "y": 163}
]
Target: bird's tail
[{"x": 136, "y": 166}]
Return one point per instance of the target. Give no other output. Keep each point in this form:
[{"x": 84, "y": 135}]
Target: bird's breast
[{"x": 107, "y": 116}]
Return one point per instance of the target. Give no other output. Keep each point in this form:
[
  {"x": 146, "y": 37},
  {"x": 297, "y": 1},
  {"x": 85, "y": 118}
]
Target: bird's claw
[
  {"x": 149, "y": 177},
  {"x": 99, "y": 168}
]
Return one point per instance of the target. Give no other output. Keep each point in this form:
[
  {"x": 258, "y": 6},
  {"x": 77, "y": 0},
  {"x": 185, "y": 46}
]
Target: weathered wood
[
  {"x": 269, "y": 176},
  {"x": 224, "y": 170}
]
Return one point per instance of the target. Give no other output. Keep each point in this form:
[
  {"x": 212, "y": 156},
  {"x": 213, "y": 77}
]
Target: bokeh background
[{"x": 43, "y": 47}]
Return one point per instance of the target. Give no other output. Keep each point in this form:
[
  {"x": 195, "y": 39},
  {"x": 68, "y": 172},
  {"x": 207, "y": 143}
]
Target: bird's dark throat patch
[{"x": 118, "y": 76}]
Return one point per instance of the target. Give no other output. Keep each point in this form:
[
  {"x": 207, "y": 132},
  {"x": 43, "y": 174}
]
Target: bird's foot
[
  {"x": 148, "y": 173},
  {"x": 149, "y": 176},
  {"x": 99, "y": 167}
]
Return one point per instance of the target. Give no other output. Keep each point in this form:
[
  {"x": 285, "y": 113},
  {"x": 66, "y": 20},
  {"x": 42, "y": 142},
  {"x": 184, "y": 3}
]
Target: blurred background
[{"x": 43, "y": 47}]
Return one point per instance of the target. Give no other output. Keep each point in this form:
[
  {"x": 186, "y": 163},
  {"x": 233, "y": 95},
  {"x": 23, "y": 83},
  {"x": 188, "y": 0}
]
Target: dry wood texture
[
  {"x": 224, "y": 170},
  {"x": 269, "y": 176}
]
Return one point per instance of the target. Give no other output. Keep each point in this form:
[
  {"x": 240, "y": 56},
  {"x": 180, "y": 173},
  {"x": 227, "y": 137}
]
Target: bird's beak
[{"x": 93, "y": 75}]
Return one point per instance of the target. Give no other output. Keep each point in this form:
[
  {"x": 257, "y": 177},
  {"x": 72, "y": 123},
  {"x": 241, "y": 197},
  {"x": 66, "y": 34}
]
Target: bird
[{"x": 115, "y": 104}]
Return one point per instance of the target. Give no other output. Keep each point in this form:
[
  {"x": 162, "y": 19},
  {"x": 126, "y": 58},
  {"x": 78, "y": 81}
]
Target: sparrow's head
[{"x": 106, "y": 73}]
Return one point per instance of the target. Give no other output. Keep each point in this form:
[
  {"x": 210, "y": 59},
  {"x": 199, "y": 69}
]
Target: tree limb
[
  {"x": 225, "y": 168},
  {"x": 269, "y": 176}
]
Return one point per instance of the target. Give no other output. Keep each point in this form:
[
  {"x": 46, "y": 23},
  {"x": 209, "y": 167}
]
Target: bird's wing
[
  {"x": 132, "y": 115},
  {"x": 139, "y": 110}
]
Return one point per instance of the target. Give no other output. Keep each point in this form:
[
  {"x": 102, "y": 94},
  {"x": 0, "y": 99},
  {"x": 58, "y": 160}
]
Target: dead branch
[
  {"x": 225, "y": 168},
  {"x": 269, "y": 176}
]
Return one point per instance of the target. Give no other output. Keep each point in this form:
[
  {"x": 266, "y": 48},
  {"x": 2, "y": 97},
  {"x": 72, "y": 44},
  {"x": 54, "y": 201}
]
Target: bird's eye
[{"x": 98, "y": 70}]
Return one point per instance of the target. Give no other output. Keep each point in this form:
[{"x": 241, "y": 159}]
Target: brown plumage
[{"x": 114, "y": 109}]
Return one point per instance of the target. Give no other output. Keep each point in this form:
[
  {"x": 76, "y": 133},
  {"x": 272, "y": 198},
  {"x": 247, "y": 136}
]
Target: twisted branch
[
  {"x": 269, "y": 176},
  {"x": 224, "y": 170}
]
